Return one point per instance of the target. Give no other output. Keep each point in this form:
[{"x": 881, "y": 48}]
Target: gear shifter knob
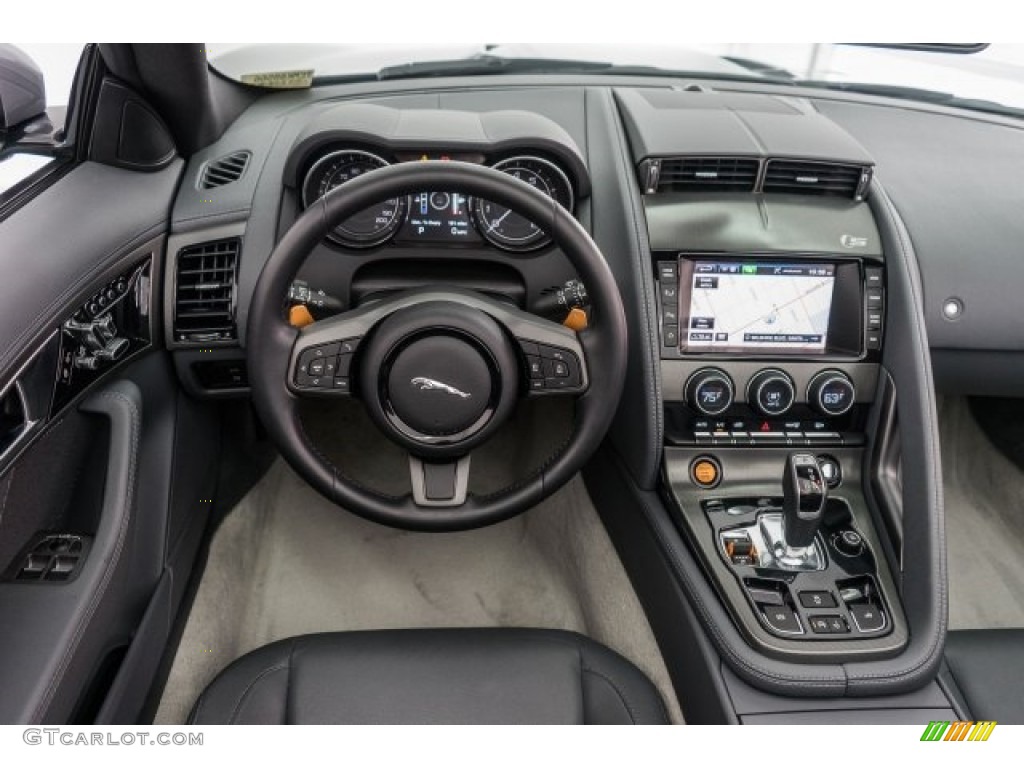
[{"x": 804, "y": 494}]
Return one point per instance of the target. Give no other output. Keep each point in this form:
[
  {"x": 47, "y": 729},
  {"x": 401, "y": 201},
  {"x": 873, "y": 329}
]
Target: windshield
[{"x": 988, "y": 79}]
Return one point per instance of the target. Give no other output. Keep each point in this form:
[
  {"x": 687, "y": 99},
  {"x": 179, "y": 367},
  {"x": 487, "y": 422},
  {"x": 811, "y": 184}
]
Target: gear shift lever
[{"x": 804, "y": 494}]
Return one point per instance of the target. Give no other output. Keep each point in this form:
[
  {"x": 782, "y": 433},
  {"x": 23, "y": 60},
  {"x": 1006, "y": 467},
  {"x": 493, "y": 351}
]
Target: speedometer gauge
[
  {"x": 369, "y": 227},
  {"x": 509, "y": 230}
]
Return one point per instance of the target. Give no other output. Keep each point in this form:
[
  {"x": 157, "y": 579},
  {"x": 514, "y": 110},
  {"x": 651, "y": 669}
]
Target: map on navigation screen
[{"x": 760, "y": 306}]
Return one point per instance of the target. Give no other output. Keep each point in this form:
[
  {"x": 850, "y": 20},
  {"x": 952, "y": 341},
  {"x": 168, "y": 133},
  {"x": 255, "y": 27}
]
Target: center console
[{"x": 770, "y": 365}]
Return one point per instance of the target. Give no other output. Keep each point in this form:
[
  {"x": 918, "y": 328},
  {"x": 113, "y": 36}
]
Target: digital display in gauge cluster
[{"x": 437, "y": 216}]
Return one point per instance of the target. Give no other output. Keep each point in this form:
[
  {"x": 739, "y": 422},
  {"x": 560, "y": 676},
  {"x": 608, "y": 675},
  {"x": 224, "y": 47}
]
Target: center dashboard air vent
[
  {"x": 224, "y": 170},
  {"x": 705, "y": 174},
  {"x": 204, "y": 292},
  {"x": 699, "y": 173},
  {"x": 802, "y": 177}
]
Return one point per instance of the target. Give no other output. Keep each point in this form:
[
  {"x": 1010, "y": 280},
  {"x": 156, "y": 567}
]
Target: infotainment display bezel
[{"x": 845, "y": 336}]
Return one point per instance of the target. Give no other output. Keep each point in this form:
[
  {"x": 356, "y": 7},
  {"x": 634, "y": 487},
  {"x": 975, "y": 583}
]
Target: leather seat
[
  {"x": 987, "y": 666},
  {"x": 448, "y": 676}
]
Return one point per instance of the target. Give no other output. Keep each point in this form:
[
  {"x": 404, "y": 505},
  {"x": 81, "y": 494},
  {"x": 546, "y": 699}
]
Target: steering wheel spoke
[{"x": 439, "y": 484}]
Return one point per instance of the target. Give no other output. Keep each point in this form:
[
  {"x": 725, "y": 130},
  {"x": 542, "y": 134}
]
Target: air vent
[
  {"x": 224, "y": 170},
  {"x": 801, "y": 177},
  {"x": 204, "y": 298},
  {"x": 707, "y": 174}
]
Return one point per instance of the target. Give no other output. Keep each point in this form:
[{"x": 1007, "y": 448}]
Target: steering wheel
[{"x": 439, "y": 370}]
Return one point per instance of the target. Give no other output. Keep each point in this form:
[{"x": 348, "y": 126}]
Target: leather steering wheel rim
[{"x": 270, "y": 340}]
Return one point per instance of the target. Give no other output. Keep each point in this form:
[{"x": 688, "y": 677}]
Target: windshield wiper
[{"x": 915, "y": 94}]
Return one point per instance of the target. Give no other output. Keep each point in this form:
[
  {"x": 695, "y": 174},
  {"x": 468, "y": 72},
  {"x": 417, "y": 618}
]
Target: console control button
[
  {"x": 817, "y": 599},
  {"x": 868, "y": 617},
  {"x": 710, "y": 391},
  {"x": 831, "y": 393},
  {"x": 828, "y": 625},
  {"x": 831, "y": 471},
  {"x": 849, "y": 542},
  {"x": 771, "y": 392},
  {"x": 783, "y": 619},
  {"x": 706, "y": 472},
  {"x": 765, "y": 597}
]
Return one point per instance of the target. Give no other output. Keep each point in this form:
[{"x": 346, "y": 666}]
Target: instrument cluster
[{"x": 437, "y": 216}]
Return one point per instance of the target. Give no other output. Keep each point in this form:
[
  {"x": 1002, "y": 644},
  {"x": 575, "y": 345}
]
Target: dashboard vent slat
[
  {"x": 800, "y": 177},
  {"x": 225, "y": 170},
  {"x": 205, "y": 292},
  {"x": 708, "y": 174}
]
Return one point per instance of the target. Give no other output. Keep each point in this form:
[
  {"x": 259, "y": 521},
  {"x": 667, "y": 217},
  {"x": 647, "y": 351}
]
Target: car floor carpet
[
  {"x": 287, "y": 562},
  {"x": 984, "y": 495}
]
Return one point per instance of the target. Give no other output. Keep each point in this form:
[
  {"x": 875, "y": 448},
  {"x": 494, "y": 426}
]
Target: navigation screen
[{"x": 759, "y": 306}]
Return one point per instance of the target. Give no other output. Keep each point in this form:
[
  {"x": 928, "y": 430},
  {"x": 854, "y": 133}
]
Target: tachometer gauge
[
  {"x": 509, "y": 230},
  {"x": 369, "y": 227}
]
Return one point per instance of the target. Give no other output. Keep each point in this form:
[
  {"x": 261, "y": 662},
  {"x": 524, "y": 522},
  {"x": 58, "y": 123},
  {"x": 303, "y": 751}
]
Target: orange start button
[{"x": 706, "y": 472}]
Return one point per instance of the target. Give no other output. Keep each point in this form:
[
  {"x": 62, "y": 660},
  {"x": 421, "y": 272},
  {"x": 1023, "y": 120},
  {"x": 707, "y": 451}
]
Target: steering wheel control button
[
  {"x": 817, "y": 599},
  {"x": 321, "y": 367},
  {"x": 831, "y": 393},
  {"x": 771, "y": 392},
  {"x": 706, "y": 472},
  {"x": 535, "y": 366},
  {"x": 710, "y": 391},
  {"x": 560, "y": 368},
  {"x": 868, "y": 617},
  {"x": 782, "y": 619}
]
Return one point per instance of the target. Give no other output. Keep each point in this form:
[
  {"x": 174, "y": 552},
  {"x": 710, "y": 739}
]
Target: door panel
[{"x": 91, "y": 418}]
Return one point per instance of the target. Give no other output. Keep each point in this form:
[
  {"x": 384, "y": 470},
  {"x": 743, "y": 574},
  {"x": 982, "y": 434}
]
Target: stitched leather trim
[
  {"x": 584, "y": 670},
  {"x": 236, "y": 710}
]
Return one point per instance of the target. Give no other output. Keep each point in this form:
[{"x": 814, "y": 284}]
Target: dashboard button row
[
  {"x": 768, "y": 438},
  {"x": 668, "y": 289},
  {"x": 874, "y": 307}
]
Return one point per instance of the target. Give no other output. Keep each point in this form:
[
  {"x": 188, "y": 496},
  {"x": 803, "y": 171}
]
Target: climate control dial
[
  {"x": 771, "y": 391},
  {"x": 710, "y": 391},
  {"x": 831, "y": 393}
]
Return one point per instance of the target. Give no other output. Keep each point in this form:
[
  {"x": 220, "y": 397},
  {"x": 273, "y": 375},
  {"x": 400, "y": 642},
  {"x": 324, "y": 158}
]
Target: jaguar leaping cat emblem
[{"x": 422, "y": 382}]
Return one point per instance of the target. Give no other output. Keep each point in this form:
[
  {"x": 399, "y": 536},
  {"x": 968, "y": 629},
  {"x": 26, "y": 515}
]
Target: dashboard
[{"x": 771, "y": 293}]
